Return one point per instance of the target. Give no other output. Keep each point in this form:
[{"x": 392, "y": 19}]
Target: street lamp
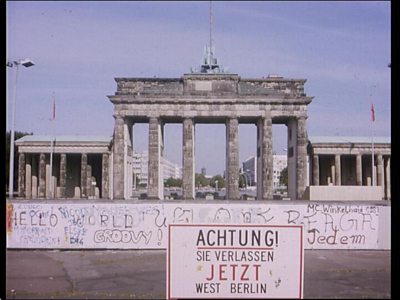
[{"x": 26, "y": 63}]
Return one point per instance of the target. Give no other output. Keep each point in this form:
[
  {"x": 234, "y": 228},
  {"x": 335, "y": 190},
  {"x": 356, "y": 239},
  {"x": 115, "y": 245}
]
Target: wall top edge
[{"x": 223, "y": 203}]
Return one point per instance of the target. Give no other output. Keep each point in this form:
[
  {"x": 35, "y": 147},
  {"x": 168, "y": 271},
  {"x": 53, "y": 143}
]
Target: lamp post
[{"x": 26, "y": 63}]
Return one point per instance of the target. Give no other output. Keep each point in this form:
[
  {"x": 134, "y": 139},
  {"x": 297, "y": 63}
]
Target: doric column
[
  {"x": 388, "y": 194},
  {"x": 373, "y": 170},
  {"x": 28, "y": 177},
  {"x": 89, "y": 191},
  {"x": 264, "y": 158},
  {"x": 381, "y": 172},
  {"x": 232, "y": 159},
  {"x": 338, "y": 178},
  {"x": 155, "y": 180},
  {"x": 34, "y": 187},
  {"x": 333, "y": 171},
  {"x": 42, "y": 176},
  {"x": 301, "y": 164},
  {"x": 35, "y": 174},
  {"x": 359, "y": 169},
  {"x": 104, "y": 176},
  {"x": 48, "y": 180},
  {"x": 128, "y": 157},
  {"x": 118, "y": 158},
  {"x": 188, "y": 183},
  {"x": 63, "y": 175},
  {"x": 21, "y": 175},
  {"x": 316, "y": 169},
  {"x": 84, "y": 193}
]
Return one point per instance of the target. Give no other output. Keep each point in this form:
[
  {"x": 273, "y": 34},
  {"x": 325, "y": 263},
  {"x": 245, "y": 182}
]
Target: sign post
[{"x": 234, "y": 261}]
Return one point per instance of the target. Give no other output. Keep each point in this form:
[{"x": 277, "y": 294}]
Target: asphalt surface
[{"x": 134, "y": 274}]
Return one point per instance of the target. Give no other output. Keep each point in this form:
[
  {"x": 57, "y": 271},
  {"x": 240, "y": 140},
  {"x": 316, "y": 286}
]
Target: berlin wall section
[{"x": 88, "y": 224}]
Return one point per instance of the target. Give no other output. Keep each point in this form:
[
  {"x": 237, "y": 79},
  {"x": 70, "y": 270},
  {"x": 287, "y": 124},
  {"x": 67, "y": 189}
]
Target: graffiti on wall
[
  {"x": 141, "y": 225},
  {"x": 9, "y": 212}
]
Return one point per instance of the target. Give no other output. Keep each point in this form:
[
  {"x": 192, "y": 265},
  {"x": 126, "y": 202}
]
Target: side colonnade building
[
  {"x": 82, "y": 166},
  {"x": 79, "y": 166},
  {"x": 347, "y": 161}
]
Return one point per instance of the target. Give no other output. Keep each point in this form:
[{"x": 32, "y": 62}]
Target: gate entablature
[
  {"x": 213, "y": 98},
  {"x": 270, "y": 89}
]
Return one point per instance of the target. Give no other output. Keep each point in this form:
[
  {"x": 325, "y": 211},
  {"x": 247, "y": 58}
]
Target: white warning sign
[{"x": 234, "y": 261}]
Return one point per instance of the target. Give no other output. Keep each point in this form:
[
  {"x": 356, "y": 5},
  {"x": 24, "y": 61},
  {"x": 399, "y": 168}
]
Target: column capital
[
  {"x": 118, "y": 116},
  {"x": 154, "y": 114},
  {"x": 302, "y": 118},
  {"x": 267, "y": 112},
  {"x": 232, "y": 118},
  {"x": 155, "y": 119}
]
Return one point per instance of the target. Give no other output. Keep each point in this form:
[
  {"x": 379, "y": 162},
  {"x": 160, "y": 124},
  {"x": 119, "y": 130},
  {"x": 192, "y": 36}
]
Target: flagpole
[
  {"x": 373, "y": 156},
  {"x": 372, "y": 142},
  {"x": 52, "y": 149},
  {"x": 51, "y": 167}
]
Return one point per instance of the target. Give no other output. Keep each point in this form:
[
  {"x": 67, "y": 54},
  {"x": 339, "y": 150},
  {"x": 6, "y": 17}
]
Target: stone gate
[{"x": 211, "y": 98}]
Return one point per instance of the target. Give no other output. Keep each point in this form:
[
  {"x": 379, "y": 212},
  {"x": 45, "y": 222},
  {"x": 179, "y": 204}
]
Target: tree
[
  {"x": 201, "y": 180},
  {"x": 219, "y": 179},
  {"x": 283, "y": 178},
  {"x": 175, "y": 182},
  {"x": 242, "y": 181},
  {"x": 17, "y": 135}
]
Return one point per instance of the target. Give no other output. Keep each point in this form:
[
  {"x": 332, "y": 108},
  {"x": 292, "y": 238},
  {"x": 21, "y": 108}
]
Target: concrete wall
[
  {"x": 343, "y": 193},
  {"x": 89, "y": 224}
]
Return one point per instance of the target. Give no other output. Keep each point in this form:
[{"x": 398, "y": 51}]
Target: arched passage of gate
[{"x": 211, "y": 98}]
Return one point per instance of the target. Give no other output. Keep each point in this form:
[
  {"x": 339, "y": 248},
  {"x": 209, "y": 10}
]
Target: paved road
[{"x": 133, "y": 274}]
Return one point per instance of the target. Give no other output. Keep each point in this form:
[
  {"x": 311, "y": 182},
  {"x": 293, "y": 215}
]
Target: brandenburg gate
[{"x": 211, "y": 98}]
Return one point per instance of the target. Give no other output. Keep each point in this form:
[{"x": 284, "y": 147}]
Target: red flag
[{"x": 372, "y": 113}]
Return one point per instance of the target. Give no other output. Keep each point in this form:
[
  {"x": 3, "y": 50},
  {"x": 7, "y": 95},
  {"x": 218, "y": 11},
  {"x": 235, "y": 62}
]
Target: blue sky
[{"x": 341, "y": 48}]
